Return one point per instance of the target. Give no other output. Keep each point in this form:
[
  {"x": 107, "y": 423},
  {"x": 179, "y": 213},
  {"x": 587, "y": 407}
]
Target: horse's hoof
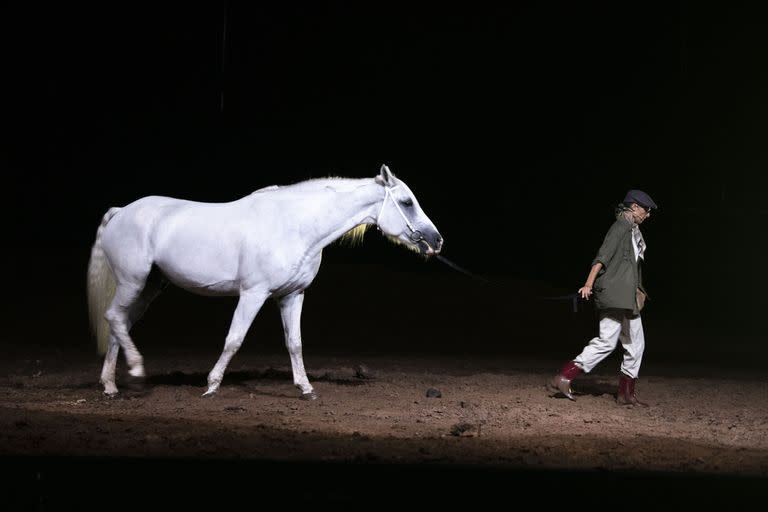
[
  {"x": 112, "y": 394},
  {"x": 309, "y": 396},
  {"x": 209, "y": 394},
  {"x": 136, "y": 371},
  {"x": 136, "y": 384}
]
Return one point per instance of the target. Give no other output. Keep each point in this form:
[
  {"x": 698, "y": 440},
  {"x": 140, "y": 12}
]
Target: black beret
[{"x": 641, "y": 198}]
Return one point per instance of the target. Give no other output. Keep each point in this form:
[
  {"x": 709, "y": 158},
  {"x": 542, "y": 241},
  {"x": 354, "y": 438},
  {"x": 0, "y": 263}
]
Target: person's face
[{"x": 640, "y": 213}]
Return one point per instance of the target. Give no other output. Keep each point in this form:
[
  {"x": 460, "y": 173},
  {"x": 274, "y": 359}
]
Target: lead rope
[
  {"x": 417, "y": 236},
  {"x": 456, "y": 267}
]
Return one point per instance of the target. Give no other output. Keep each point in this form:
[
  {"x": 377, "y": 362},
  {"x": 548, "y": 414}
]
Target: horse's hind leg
[
  {"x": 290, "y": 311},
  {"x": 152, "y": 288},
  {"x": 108, "y": 371},
  {"x": 155, "y": 284},
  {"x": 119, "y": 317},
  {"x": 247, "y": 308}
]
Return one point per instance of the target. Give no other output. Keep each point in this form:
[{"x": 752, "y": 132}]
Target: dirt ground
[{"x": 376, "y": 411}]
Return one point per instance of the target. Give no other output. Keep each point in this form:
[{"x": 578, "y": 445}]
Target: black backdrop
[{"x": 519, "y": 128}]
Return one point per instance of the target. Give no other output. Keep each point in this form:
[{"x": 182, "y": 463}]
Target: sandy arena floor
[{"x": 374, "y": 411}]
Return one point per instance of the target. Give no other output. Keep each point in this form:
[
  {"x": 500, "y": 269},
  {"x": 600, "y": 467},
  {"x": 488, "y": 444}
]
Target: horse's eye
[{"x": 407, "y": 202}]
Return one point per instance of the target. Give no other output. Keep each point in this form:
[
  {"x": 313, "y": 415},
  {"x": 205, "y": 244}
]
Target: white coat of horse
[{"x": 266, "y": 244}]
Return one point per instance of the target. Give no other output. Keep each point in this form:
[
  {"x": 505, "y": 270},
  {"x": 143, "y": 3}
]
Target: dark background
[{"x": 518, "y": 127}]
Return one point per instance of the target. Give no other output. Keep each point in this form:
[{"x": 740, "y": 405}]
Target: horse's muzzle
[
  {"x": 437, "y": 243},
  {"x": 431, "y": 244}
]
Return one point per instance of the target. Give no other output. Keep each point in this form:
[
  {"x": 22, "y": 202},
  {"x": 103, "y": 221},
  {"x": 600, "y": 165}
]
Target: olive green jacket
[{"x": 621, "y": 276}]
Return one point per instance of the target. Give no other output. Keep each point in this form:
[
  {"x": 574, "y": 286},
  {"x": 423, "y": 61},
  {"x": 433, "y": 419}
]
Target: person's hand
[{"x": 585, "y": 291}]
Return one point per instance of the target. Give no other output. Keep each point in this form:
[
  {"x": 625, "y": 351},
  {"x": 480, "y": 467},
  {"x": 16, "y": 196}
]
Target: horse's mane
[
  {"x": 355, "y": 235},
  {"x": 338, "y": 182}
]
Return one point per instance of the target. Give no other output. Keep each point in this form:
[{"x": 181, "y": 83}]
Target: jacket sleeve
[{"x": 610, "y": 245}]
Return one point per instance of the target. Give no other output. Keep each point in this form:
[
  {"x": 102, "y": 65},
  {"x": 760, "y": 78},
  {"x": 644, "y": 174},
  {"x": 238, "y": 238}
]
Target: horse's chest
[
  {"x": 306, "y": 273},
  {"x": 298, "y": 277}
]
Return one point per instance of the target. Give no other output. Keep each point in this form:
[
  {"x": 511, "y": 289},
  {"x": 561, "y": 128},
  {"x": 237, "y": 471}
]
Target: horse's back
[
  {"x": 196, "y": 245},
  {"x": 157, "y": 220},
  {"x": 138, "y": 218},
  {"x": 210, "y": 247}
]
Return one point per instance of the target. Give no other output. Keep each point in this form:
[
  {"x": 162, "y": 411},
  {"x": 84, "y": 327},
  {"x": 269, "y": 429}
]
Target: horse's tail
[{"x": 101, "y": 286}]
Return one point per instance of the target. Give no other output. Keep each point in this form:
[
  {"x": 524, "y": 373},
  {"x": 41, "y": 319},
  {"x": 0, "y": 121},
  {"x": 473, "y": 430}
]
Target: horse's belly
[
  {"x": 197, "y": 254},
  {"x": 199, "y": 272},
  {"x": 222, "y": 287},
  {"x": 210, "y": 287}
]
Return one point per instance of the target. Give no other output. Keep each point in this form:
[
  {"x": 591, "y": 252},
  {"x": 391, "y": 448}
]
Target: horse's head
[{"x": 401, "y": 218}]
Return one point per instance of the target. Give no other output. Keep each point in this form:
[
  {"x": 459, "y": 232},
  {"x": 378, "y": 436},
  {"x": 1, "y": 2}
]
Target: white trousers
[{"x": 615, "y": 325}]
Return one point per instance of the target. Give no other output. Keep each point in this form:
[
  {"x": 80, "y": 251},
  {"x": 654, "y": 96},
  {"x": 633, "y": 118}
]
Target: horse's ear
[{"x": 385, "y": 177}]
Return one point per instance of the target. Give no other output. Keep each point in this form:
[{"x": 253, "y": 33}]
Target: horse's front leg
[
  {"x": 290, "y": 311},
  {"x": 247, "y": 307}
]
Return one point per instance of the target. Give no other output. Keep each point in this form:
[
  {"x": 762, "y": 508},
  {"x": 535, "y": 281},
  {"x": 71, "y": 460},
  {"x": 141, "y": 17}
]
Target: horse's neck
[
  {"x": 334, "y": 206},
  {"x": 348, "y": 203}
]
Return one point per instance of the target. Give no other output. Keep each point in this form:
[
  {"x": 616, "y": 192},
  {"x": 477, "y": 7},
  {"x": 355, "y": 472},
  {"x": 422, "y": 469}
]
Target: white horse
[{"x": 266, "y": 244}]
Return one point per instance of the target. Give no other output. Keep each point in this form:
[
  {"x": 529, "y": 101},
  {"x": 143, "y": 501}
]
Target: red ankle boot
[
  {"x": 633, "y": 396},
  {"x": 562, "y": 381},
  {"x": 624, "y": 395}
]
